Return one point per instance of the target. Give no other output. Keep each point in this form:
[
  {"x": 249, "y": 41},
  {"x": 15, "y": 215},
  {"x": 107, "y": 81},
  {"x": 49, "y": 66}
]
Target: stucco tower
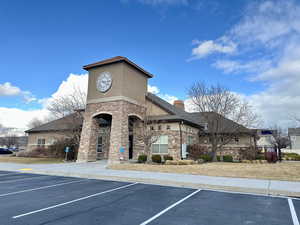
[{"x": 116, "y": 92}]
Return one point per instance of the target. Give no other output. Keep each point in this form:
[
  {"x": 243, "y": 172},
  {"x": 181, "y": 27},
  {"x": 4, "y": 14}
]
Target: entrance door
[
  {"x": 130, "y": 146},
  {"x": 99, "y": 147}
]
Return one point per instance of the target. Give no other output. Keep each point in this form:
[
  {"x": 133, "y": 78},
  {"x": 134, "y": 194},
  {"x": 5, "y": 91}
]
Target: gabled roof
[
  {"x": 225, "y": 125},
  {"x": 66, "y": 123},
  {"x": 116, "y": 60},
  {"x": 176, "y": 114},
  {"x": 294, "y": 131}
]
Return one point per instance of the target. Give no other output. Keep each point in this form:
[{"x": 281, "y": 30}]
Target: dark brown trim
[{"x": 116, "y": 60}]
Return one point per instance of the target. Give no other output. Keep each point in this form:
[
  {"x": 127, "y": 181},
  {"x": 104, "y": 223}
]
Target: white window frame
[
  {"x": 161, "y": 142},
  {"x": 43, "y": 143}
]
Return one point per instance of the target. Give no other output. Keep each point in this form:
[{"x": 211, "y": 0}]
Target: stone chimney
[{"x": 179, "y": 104}]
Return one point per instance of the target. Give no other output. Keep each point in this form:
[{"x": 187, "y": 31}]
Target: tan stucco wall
[
  {"x": 50, "y": 138},
  {"x": 134, "y": 84},
  {"x": 154, "y": 110},
  {"x": 126, "y": 82}
]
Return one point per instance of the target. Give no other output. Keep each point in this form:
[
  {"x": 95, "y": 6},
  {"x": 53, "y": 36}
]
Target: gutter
[{"x": 180, "y": 133}]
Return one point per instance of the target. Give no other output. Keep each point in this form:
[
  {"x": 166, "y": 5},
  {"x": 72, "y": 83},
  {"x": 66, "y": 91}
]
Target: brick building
[{"x": 117, "y": 101}]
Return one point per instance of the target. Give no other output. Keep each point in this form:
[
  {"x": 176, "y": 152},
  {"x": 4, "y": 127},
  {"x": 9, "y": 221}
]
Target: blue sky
[{"x": 179, "y": 41}]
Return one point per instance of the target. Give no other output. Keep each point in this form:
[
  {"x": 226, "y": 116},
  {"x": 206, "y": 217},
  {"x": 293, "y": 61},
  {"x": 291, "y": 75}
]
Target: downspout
[{"x": 180, "y": 133}]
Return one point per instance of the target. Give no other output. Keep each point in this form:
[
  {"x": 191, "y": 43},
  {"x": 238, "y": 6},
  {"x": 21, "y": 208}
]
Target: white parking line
[
  {"x": 170, "y": 207},
  {"x": 76, "y": 200},
  {"x": 293, "y": 212},
  {"x": 7, "y": 174},
  {"x": 28, "y": 178},
  {"x": 40, "y": 188}
]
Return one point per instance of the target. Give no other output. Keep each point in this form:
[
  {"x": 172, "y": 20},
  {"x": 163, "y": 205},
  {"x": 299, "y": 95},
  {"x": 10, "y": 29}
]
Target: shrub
[
  {"x": 57, "y": 150},
  {"x": 196, "y": 150},
  {"x": 260, "y": 157},
  {"x": 206, "y": 157},
  {"x": 38, "y": 152},
  {"x": 227, "y": 158},
  {"x": 156, "y": 158},
  {"x": 142, "y": 158},
  {"x": 296, "y": 158},
  {"x": 167, "y": 157},
  {"x": 290, "y": 155},
  {"x": 171, "y": 162},
  {"x": 186, "y": 162},
  {"x": 248, "y": 153},
  {"x": 218, "y": 158},
  {"x": 180, "y": 162}
]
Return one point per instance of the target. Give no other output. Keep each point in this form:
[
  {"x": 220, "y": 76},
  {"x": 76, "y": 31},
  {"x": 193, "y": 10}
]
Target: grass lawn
[
  {"x": 289, "y": 171},
  {"x": 26, "y": 160}
]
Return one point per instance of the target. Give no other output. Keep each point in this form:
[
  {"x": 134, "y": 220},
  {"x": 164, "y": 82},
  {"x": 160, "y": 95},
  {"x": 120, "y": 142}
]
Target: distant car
[{"x": 5, "y": 151}]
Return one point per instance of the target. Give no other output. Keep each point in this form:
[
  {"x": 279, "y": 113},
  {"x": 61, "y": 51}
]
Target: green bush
[
  {"x": 142, "y": 158},
  {"x": 218, "y": 158},
  {"x": 297, "y": 158},
  {"x": 260, "y": 157},
  {"x": 206, "y": 157},
  {"x": 291, "y": 155},
  {"x": 227, "y": 158},
  {"x": 167, "y": 157},
  {"x": 156, "y": 158}
]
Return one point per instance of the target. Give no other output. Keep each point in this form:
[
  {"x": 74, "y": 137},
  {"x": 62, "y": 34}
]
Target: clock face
[{"x": 104, "y": 82}]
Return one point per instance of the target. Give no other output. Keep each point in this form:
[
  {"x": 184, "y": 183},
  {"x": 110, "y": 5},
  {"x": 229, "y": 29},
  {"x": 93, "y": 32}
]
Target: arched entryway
[{"x": 103, "y": 122}]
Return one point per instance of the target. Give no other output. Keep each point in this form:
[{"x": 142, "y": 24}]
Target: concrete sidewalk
[{"x": 98, "y": 170}]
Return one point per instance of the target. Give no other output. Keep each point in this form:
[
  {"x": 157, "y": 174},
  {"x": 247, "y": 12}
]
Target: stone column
[
  {"x": 119, "y": 137},
  {"x": 87, "y": 148}
]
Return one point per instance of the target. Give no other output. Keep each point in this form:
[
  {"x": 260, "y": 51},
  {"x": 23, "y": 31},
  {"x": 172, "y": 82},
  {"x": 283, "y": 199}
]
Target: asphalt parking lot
[{"x": 32, "y": 199}]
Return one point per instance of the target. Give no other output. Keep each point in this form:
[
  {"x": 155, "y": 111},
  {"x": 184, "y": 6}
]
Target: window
[
  {"x": 190, "y": 140},
  {"x": 237, "y": 140},
  {"x": 168, "y": 127},
  {"x": 152, "y": 127},
  {"x": 99, "y": 144},
  {"x": 159, "y": 127},
  {"x": 41, "y": 142},
  {"x": 161, "y": 145}
]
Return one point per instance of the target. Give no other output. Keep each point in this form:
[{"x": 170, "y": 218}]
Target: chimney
[{"x": 179, "y": 104}]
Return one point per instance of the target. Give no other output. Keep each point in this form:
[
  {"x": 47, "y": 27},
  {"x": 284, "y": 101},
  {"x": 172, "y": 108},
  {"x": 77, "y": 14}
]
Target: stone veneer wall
[
  {"x": 119, "y": 110},
  {"x": 234, "y": 151}
]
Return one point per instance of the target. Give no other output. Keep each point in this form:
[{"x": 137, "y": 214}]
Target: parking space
[{"x": 65, "y": 200}]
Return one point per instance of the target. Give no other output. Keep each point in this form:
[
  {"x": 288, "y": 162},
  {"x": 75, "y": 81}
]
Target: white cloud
[
  {"x": 155, "y": 90},
  {"x": 267, "y": 40},
  {"x": 67, "y": 87},
  {"x": 168, "y": 98},
  {"x": 7, "y": 89},
  {"x": 209, "y": 47},
  {"x": 19, "y": 118},
  {"x": 234, "y": 66}
]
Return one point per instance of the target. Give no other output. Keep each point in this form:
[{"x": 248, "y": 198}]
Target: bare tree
[
  {"x": 225, "y": 113},
  {"x": 146, "y": 131},
  {"x": 35, "y": 122},
  {"x": 9, "y": 141},
  {"x": 147, "y": 134},
  {"x": 280, "y": 140},
  {"x": 71, "y": 107},
  {"x": 65, "y": 105}
]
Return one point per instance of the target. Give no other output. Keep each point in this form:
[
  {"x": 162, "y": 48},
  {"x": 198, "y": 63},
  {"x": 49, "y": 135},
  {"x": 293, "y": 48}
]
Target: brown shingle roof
[{"x": 115, "y": 60}]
